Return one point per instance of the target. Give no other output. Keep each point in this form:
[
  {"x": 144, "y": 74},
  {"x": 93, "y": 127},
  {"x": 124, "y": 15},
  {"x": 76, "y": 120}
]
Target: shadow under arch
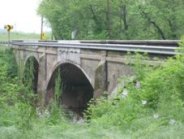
[
  {"x": 30, "y": 74},
  {"x": 76, "y": 90}
]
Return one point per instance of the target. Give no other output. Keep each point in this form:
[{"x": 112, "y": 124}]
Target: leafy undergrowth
[{"x": 147, "y": 105}]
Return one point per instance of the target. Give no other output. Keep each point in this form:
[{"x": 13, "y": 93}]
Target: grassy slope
[{"x": 19, "y": 36}]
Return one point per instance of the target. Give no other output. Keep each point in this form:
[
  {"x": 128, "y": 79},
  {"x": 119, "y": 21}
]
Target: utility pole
[
  {"x": 8, "y": 38},
  {"x": 41, "y": 33},
  {"x": 108, "y": 16}
]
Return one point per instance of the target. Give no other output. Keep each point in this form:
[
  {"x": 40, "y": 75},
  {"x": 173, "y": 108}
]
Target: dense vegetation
[
  {"x": 114, "y": 19},
  {"x": 149, "y": 104}
]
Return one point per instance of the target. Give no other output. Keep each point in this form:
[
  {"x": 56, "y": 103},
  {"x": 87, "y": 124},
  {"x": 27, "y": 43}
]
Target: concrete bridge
[{"x": 87, "y": 68}]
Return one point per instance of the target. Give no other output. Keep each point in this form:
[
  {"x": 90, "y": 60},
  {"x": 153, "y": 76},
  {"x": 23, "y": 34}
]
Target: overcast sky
[{"x": 21, "y": 14}]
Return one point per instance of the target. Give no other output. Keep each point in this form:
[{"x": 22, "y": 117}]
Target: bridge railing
[
  {"x": 4, "y": 43},
  {"x": 136, "y": 42},
  {"x": 161, "y": 47}
]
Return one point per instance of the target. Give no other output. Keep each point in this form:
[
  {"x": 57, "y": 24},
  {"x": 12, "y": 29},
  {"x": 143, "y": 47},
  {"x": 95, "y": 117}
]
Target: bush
[{"x": 158, "y": 103}]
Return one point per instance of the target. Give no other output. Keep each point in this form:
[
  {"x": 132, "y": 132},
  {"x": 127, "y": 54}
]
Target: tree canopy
[{"x": 114, "y": 19}]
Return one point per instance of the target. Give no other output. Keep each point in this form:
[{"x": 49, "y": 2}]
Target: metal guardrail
[
  {"x": 4, "y": 42},
  {"x": 137, "y": 42},
  {"x": 160, "y": 47}
]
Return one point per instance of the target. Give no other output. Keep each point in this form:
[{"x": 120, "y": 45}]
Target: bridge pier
[
  {"x": 101, "y": 82},
  {"x": 42, "y": 78}
]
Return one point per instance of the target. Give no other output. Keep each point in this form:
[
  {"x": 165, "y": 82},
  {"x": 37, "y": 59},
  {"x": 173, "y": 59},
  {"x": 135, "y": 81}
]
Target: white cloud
[{"x": 22, "y": 14}]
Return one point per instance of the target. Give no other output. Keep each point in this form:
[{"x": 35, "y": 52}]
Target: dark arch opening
[
  {"x": 76, "y": 90},
  {"x": 30, "y": 75}
]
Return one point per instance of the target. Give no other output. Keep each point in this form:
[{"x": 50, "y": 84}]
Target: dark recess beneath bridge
[{"x": 76, "y": 90}]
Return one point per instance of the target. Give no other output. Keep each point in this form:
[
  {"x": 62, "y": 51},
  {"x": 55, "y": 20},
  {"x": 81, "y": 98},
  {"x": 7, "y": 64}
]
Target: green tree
[
  {"x": 164, "y": 18},
  {"x": 114, "y": 19}
]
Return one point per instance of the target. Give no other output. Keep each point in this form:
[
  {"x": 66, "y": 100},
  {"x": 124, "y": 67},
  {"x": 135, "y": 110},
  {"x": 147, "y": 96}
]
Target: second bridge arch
[{"x": 76, "y": 89}]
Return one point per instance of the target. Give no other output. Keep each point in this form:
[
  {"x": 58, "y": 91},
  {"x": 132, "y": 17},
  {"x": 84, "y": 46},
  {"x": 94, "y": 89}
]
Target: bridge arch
[
  {"x": 77, "y": 89},
  {"x": 31, "y": 56},
  {"x": 30, "y": 72}
]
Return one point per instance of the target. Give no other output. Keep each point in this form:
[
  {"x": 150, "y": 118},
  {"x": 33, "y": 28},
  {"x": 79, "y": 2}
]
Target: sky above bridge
[{"x": 22, "y": 14}]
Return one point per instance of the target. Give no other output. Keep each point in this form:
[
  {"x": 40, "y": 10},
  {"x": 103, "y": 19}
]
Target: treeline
[{"x": 114, "y": 19}]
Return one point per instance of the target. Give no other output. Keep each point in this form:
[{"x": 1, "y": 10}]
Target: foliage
[
  {"x": 13, "y": 109},
  {"x": 157, "y": 104},
  {"x": 58, "y": 86},
  {"x": 119, "y": 19},
  {"x": 56, "y": 111}
]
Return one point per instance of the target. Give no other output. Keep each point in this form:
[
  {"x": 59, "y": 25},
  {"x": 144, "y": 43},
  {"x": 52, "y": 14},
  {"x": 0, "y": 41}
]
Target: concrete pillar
[
  {"x": 42, "y": 77},
  {"x": 101, "y": 82},
  {"x": 20, "y": 62}
]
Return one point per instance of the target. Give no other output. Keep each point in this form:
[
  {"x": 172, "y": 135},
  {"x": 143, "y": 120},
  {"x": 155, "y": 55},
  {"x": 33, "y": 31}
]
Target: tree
[{"x": 114, "y": 19}]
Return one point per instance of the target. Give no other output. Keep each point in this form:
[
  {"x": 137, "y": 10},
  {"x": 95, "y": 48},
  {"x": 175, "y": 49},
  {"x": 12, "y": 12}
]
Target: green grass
[
  {"x": 19, "y": 36},
  {"x": 22, "y": 36}
]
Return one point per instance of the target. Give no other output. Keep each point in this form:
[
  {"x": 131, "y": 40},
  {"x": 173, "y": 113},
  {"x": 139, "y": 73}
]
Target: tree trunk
[
  {"x": 108, "y": 18},
  {"x": 156, "y": 26}
]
